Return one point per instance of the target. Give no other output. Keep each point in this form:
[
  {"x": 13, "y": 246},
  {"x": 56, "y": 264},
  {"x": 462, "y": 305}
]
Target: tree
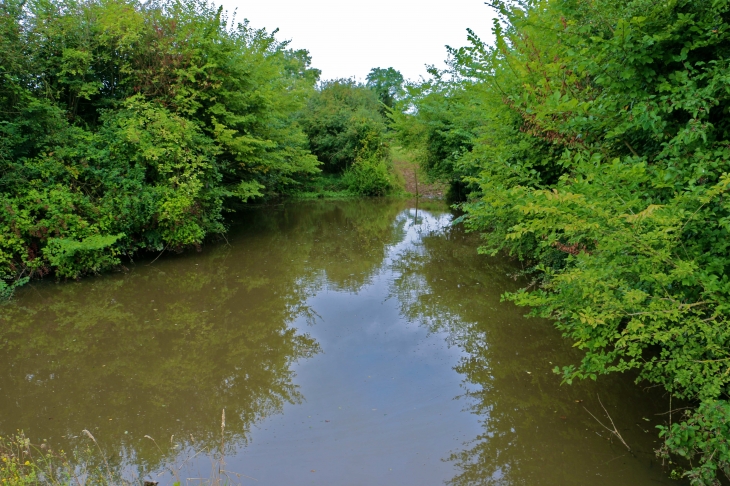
[
  {"x": 343, "y": 122},
  {"x": 387, "y": 84}
]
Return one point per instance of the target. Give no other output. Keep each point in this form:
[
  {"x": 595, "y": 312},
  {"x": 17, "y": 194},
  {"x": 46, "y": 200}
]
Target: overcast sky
[{"x": 347, "y": 38}]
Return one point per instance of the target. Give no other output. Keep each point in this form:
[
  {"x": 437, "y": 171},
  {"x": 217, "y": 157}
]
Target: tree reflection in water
[
  {"x": 534, "y": 431},
  {"x": 162, "y": 349}
]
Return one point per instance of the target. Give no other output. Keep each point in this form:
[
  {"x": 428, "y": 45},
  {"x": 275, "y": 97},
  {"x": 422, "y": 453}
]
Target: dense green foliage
[
  {"x": 442, "y": 129},
  {"x": 595, "y": 138},
  {"x": 342, "y": 122},
  {"x": 347, "y": 133},
  {"x": 127, "y": 126},
  {"x": 371, "y": 176}
]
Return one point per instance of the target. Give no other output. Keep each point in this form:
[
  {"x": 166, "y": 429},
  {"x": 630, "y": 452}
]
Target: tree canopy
[
  {"x": 346, "y": 129},
  {"x": 387, "y": 84}
]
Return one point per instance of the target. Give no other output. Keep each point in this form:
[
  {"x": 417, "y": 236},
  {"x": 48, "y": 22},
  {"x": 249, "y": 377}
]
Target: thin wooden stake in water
[
  {"x": 223, "y": 430},
  {"x": 415, "y": 176}
]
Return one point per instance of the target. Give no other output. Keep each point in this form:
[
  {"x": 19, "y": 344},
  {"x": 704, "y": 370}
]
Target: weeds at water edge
[{"x": 25, "y": 464}]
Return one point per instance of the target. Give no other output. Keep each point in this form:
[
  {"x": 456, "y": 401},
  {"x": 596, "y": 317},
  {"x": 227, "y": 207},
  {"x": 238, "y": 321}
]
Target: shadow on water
[{"x": 358, "y": 342}]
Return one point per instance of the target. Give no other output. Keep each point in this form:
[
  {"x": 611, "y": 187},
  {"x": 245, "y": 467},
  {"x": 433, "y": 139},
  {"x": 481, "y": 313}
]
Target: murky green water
[{"x": 350, "y": 343}]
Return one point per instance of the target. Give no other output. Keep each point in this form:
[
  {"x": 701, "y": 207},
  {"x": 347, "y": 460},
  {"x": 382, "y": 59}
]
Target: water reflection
[
  {"x": 157, "y": 352},
  {"x": 160, "y": 350},
  {"x": 534, "y": 431},
  {"x": 342, "y": 243},
  {"x": 364, "y": 342}
]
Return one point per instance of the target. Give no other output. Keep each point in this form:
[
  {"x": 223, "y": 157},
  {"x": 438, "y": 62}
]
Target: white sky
[{"x": 347, "y": 38}]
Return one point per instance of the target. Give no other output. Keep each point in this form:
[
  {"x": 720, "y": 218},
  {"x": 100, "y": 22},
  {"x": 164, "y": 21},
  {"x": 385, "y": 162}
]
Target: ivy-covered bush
[{"x": 129, "y": 125}]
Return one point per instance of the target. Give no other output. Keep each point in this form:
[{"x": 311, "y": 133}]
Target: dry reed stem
[
  {"x": 103, "y": 456},
  {"x": 218, "y": 472},
  {"x": 221, "y": 462},
  {"x": 173, "y": 471}
]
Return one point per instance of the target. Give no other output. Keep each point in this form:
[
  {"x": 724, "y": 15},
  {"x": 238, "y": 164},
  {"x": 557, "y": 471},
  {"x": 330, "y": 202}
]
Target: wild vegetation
[
  {"x": 128, "y": 126},
  {"x": 346, "y": 129},
  {"x": 593, "y": 142},
  {"x": 590, "y": 141},
  {"x": 131, "y": 126}
]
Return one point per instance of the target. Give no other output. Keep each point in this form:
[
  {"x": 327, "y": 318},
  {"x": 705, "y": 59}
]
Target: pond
[{"x": 349, "y": 343}]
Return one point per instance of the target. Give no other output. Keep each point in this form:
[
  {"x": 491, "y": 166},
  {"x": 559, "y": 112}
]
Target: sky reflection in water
[{"x": 349, "y": 342}]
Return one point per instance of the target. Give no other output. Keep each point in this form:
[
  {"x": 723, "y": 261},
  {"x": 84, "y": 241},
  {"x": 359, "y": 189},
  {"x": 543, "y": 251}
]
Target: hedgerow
[
  {"x": 601, "y": 156},
  {"x": 129, "y": 125}
]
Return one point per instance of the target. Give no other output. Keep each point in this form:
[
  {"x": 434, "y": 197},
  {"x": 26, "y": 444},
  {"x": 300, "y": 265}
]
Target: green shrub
[
  {"x": 702, "y": 436},
  {"x": 127, "y": 126},
  {"x": 597, "y": 146},
  {"x": 370, "y": 176},
  {"x": 342, "y": 121}
]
